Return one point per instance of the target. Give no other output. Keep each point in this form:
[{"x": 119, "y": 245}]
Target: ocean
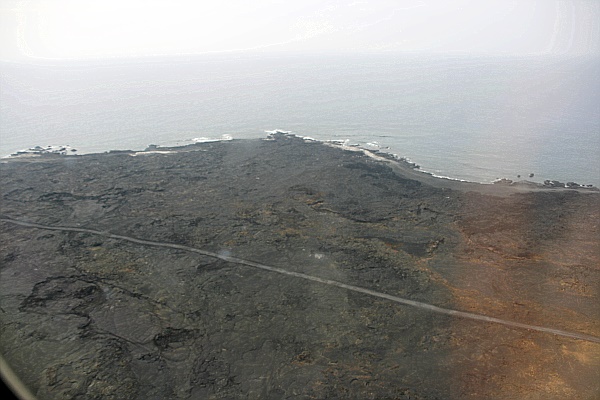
[{"x": 465, "y": 117}]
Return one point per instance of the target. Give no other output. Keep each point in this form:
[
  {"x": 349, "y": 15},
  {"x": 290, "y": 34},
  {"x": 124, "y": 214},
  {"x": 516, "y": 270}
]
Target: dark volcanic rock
[{"x": 85, "y": 315}]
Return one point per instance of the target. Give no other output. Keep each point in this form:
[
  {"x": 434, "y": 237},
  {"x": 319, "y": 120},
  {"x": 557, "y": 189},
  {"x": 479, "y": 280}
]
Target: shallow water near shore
[{"x": 471, "y": 118}]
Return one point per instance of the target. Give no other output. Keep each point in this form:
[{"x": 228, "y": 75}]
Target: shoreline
[
  {"x": 207, "y": 267},
  {"x": 501, "y": 187},
  {"x": 401, "y": 165}
]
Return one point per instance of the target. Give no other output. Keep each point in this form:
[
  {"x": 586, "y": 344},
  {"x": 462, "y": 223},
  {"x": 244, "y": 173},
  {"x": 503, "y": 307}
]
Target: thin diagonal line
[{"x": 400, "y": 300}]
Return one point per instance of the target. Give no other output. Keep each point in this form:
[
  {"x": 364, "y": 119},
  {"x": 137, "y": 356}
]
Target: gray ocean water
[{"x": 472, "y": 118}]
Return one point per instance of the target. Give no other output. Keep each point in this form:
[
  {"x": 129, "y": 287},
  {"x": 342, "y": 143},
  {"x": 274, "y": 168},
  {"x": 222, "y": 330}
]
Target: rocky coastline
[{"x": 136, "y": 275}]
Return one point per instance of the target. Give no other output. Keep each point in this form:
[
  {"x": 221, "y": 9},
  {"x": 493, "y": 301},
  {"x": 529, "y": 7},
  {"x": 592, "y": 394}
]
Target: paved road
[{"x": 235, "y": 260}]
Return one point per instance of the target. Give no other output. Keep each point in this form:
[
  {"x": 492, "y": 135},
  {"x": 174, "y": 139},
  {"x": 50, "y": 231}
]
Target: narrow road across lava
[{"x": 235, "y": 260}]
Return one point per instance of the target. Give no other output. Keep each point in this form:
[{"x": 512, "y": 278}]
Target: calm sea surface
[{"x": 472, "y": 118}]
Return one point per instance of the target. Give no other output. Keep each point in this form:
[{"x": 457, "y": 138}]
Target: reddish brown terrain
[{"x": 285, "y": 269}]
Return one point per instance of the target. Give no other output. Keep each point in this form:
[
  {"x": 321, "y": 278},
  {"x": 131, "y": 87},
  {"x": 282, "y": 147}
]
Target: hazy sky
[{"x": 63, "y": 29}]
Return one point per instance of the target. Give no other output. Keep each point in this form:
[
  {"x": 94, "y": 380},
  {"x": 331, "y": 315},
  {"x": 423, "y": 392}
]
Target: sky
[{"x": 83, "y": 29}]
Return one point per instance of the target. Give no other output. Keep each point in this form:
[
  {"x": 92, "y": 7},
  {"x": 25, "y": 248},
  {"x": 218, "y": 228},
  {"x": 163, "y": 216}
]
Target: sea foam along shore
[
  {"x": 49, "y": 149},
  {"x": 406, "y": 167},
  {"x": 403, "y": 165}
]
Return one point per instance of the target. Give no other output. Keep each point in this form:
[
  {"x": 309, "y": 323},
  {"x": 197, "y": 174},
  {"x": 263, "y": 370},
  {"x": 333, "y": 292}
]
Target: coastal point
[{"x": 289, "y": 268}]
